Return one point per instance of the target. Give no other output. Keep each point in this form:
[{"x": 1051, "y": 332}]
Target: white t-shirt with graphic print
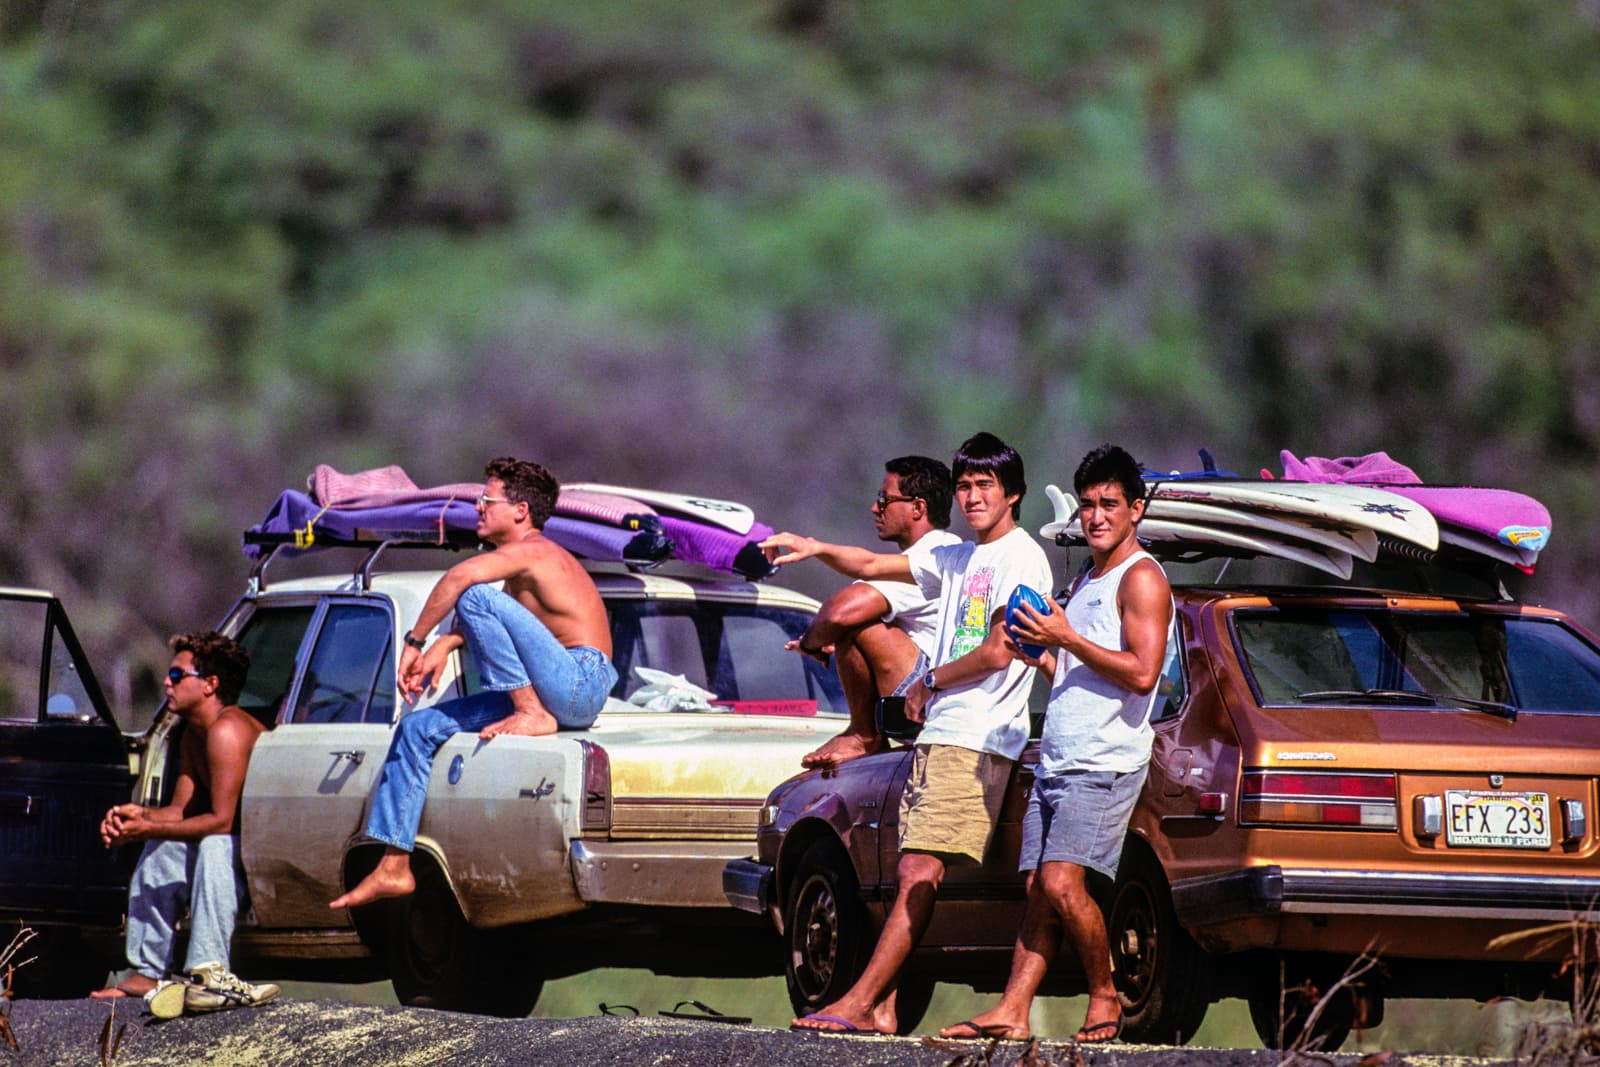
[
  {"x": 909, "y": 608},
  {"x": 971, "y": 582}
]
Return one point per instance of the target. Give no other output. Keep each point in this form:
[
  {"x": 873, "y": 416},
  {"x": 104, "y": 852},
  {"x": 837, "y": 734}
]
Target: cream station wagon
[{"x": 536, "y": 857}]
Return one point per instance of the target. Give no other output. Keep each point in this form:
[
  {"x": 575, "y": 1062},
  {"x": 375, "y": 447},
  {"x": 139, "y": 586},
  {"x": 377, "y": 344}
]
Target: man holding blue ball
[{"x": 1105, "y": 654}]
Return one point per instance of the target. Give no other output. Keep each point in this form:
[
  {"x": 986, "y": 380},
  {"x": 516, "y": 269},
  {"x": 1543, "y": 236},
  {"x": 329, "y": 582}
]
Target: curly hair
[
  {"x": 217, "y": 655},
  {"x": 526, "y": 483}
]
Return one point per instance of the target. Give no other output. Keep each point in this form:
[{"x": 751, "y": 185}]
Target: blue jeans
[
  {"x": 512, "y": 648},
  {"x": 207, "y": 878}
]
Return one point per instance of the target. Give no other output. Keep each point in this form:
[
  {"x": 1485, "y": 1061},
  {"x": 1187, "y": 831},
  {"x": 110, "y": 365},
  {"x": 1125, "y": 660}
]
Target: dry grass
[
  {"x": 9, "y": 963},
  {"x": 1570, "y": 1042}
]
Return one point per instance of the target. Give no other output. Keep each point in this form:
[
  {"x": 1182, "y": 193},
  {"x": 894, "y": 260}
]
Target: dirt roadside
[{"x": 332, "y": 1033}]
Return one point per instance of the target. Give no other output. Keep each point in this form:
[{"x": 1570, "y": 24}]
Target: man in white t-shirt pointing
[
  {"x": 883, "y": 634},
  {"x": 973, "y": 703}
]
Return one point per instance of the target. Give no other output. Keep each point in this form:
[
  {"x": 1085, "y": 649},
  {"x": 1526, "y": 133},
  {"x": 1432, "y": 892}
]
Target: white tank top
[{"x": 1092, "y": 723}]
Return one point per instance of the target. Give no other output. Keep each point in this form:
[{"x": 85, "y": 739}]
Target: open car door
[{"x": 65, "y": 763}]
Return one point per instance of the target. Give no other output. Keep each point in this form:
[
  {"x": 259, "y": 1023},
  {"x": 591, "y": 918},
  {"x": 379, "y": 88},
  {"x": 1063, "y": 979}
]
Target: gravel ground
[{"x": 333, "y": 1033}]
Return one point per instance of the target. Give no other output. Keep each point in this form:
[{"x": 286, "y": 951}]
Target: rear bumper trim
[{"x": 1274, "y": 890}]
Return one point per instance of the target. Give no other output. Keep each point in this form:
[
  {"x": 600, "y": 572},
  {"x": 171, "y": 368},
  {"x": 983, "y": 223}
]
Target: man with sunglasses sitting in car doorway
[
  {"x": 882, "y": 633},
  {"x": 191, "y": 857},
  {"x": 542, "y": 645}
]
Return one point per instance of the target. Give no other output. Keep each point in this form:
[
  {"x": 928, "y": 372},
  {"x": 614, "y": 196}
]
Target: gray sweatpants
[{"x": 206, "y": 877}]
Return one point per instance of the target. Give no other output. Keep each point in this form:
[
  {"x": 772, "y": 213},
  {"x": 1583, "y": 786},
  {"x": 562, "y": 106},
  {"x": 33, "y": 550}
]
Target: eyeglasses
[
  {"x": 484, "y": 500},
  {"x": 883, "y": 500},
  {"x": 176, "y": 675}
]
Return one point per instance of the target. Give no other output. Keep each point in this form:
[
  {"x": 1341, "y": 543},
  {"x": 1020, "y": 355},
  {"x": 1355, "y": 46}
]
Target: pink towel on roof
[
  {"x": 1374, "y": 468},
  {"x": 380, "y": 487}
]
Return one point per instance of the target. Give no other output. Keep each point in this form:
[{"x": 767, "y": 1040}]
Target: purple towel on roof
[
  {"x": 720, "y": 549},
  {"x": 431, "y": 520}
]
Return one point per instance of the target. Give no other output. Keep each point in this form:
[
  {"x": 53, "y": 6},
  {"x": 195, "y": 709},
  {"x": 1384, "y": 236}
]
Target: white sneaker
[
  {"x": 212, "y": 987},
  {"x": 166, "y": 1000}
]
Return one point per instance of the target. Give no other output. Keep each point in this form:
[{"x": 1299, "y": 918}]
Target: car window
[
  {"x": 22, "y": 631},
  {"x": 735, "y": 651},
  {"x": 1531, "y": 664},
  {"x": 272, "y": 636},
  {"x": 1171, "y": 690},
  {"x": 25, "y": 627},
  {"x": 66, "y": 697},
  {"x": 350, "y": 675}
]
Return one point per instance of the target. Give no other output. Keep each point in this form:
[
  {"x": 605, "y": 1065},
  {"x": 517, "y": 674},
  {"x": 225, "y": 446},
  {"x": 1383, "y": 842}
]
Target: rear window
[
  {"x": 1316, "y": 657},
  {"x": 734, "y": 652}
]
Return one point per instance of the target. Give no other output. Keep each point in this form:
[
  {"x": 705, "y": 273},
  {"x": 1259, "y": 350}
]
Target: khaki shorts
[{"x": 951, "y": 801}]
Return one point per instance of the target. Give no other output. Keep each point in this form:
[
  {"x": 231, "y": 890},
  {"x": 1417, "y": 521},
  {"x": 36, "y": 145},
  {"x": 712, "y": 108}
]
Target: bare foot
[
  {"x": 847, "y": 746},
  {"x": 135, "y": 985},
  {"x": 388, "y": 880},
  {"x": 522, "y": 724}
]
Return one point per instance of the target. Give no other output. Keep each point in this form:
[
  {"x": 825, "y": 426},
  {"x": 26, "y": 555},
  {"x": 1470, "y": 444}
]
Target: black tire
[
  {"x": 1284, "y": 993},
  {"x": 1163, "y": 976},
  {"x": 827, "y": 931},
  {"x": 437, "y": 960}
]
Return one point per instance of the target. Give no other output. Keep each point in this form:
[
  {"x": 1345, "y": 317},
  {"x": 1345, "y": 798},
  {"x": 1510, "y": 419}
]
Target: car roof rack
[{"x": 374, "y": 543}]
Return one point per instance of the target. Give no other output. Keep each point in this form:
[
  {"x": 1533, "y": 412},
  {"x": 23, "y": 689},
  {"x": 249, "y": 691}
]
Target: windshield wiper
[{"x": 1414, "y": 697}]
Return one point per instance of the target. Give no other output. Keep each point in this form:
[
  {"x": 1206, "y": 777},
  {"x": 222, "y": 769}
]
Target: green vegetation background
[{"x": 753, "y": 248}]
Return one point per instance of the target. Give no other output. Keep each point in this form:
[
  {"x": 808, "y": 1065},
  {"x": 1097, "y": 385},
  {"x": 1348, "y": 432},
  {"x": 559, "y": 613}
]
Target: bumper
[
  {"x": 1272, "y": 890},
  {"x": 748, "y": 885},
  {"x": 668, "y": 874}
]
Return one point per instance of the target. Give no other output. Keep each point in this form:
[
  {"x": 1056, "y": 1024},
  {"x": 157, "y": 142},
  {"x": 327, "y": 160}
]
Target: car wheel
[
  {"x": 437, "y": 960},
  {"x": 1164, "y": 978},
  {"x": 1284, "y": 994},
  {"x": 826, "y": 928}
]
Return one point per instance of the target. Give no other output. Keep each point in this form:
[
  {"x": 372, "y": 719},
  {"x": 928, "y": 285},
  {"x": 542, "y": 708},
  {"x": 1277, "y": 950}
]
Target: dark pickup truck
[{"x": 63, "y": 762}]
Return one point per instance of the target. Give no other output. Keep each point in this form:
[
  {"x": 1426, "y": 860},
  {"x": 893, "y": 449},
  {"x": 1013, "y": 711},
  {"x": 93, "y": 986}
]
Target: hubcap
[{"x": 814, "y": 941}]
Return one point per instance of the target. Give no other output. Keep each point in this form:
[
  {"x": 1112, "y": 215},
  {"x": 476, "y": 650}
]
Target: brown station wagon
[{"x": 1337, "y": 772}]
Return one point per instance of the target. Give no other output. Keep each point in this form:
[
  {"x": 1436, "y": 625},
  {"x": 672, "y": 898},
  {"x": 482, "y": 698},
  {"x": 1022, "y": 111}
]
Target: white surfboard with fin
[
  {"x": 727, "y": 514},
  {"x": 1330, "y": 561},
  {"x": 1359, "y": 542},
  {"x": 1354, "y": 506}
]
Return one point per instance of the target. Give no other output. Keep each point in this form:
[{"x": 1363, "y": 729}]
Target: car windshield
[{"x": 1417, "y": 660}]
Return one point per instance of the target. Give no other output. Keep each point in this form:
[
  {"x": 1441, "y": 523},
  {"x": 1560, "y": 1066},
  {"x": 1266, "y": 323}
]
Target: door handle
[
  {"x": 20, "y": 805},
  {"x": 354, "y": 755}
]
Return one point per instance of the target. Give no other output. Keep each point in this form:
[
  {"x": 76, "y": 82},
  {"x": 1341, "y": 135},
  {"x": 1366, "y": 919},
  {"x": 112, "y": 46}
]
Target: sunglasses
[
  {"x": 176, "y": 675},
  {"x": 883, "y": 500},
  {"x": 484, "y": 500}
]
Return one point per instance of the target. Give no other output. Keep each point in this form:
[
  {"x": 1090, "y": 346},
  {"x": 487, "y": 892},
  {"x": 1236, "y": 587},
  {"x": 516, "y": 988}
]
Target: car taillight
[
  {"x": 596, "y": 788},
  {"x": 1318, "y": 798}
]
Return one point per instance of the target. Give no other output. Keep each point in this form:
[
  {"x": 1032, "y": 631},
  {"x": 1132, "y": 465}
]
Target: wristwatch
[
  {"x": 415, "y": 642},
  {"x": 929, "y": 684}
]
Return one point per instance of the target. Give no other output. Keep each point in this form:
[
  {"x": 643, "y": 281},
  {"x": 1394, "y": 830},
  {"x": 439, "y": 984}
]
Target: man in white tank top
[
  {"x": 882, "y": 634},
  {"x": 1105, "y": 653}
]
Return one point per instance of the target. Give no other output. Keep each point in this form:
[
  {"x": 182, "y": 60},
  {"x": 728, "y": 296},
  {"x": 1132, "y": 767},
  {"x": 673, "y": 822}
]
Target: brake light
[
  {"x": 1318, "y": 798},
  {"x": 596, "y": 788}
]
